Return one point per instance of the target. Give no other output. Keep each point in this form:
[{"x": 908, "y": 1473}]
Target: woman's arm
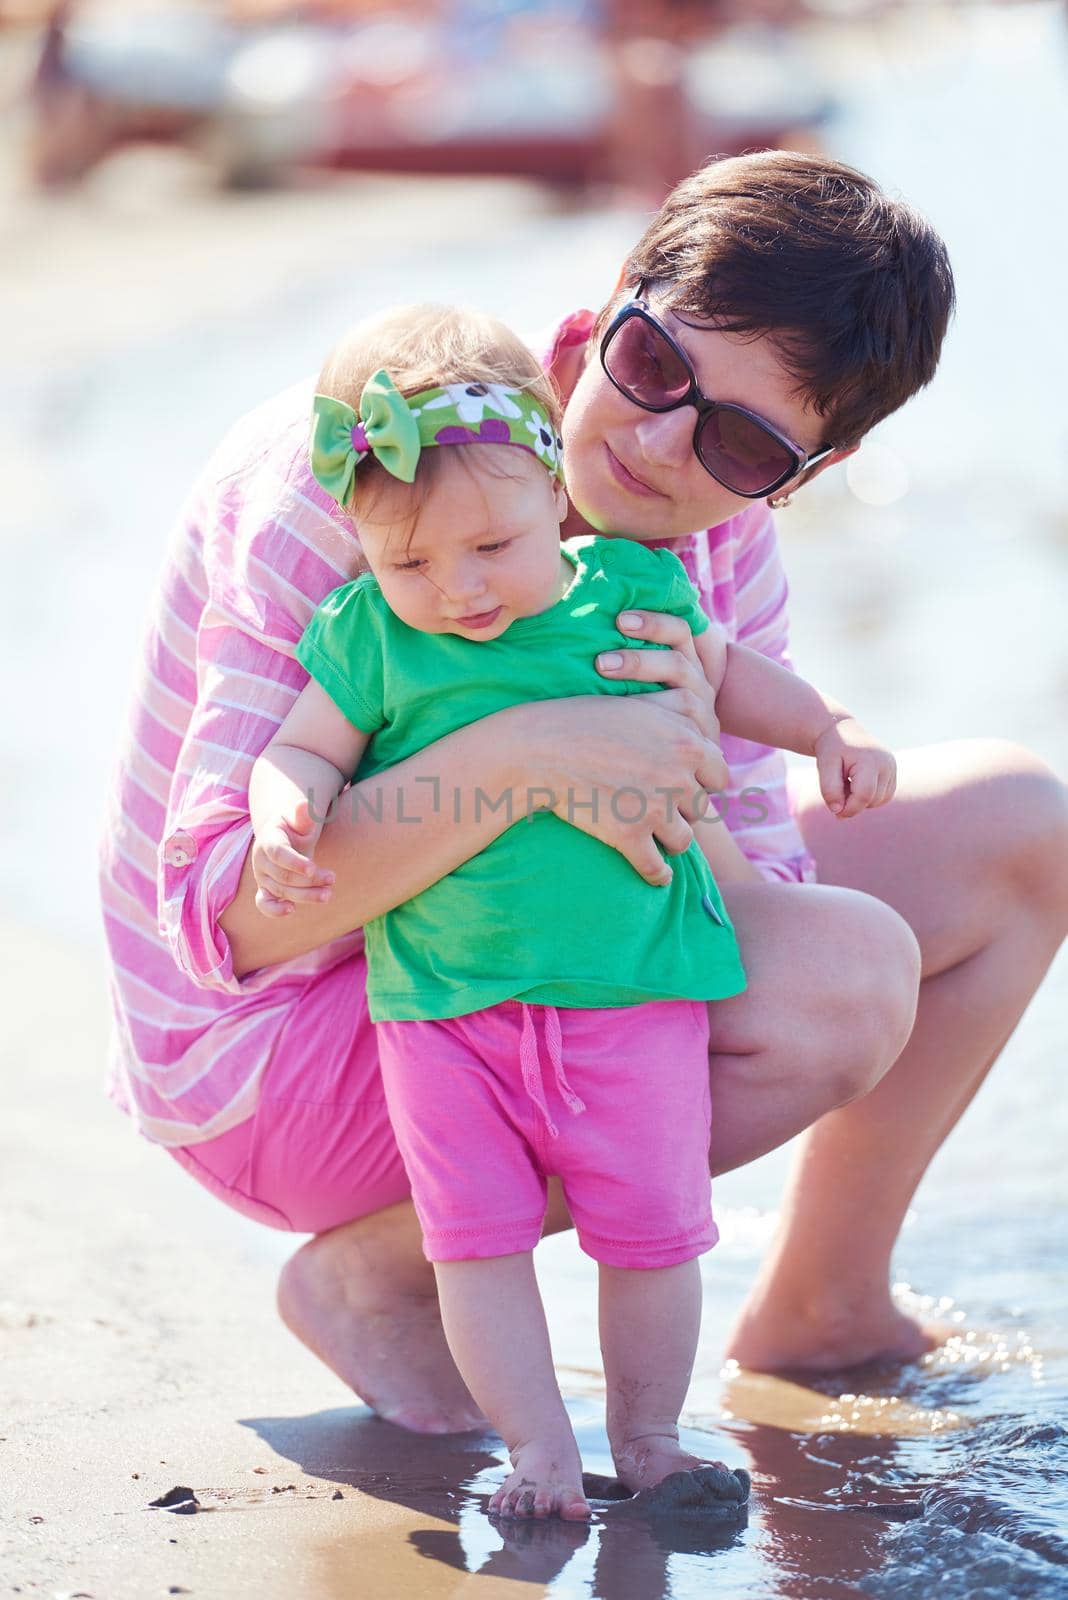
[{"x": 396, "y": 833}]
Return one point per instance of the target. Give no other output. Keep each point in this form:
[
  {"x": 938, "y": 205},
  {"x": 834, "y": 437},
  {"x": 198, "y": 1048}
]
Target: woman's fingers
[
  {"x": 673, "y": 835},
  {"x": 709, "y": 767},
  {"x": 648, "y": 666},
  {"x": 662, "y": 627},
  {"x": 678, "y": 670},
  {"x": 646, "y": 859}
]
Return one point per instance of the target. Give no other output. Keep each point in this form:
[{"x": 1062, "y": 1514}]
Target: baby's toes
[
  {"x": 496, "y": 1505},
  {"x": 572, "y": 1505}
]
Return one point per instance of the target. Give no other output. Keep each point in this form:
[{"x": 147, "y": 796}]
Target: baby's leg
[
  {"x": 459, "y": 1110},
  {"x": 650, "y": 1320},
  {"x": 495, "y": 1324}
]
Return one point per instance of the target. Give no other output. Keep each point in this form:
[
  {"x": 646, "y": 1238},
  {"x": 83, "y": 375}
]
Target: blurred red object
[{"x": 540, "y": 88}]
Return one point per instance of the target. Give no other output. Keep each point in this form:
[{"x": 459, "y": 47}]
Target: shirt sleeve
[
  {"x": 757, "y": 802},
  {"x": 342, "y": 649},
  {"x": 240, "y": 586},
  {"x": 682, "y": 598},
  {"x": 653, "y": 579}
]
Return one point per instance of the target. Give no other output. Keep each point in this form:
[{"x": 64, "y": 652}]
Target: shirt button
[{"x": 180, "y": 849}]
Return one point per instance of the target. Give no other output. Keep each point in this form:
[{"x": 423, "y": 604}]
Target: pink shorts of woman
[
  {"x": 319, "y": 1149},
  {"x": 615, "y": 1102}
]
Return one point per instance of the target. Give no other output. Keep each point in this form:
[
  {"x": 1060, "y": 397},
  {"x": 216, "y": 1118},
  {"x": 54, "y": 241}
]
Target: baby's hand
[
  {"x": 855, "y": 772},
  {"x": 283, "y": 863}
]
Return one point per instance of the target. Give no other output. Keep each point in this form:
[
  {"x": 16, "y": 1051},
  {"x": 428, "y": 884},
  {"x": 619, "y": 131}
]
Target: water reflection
[{"x": 448, "y": 1482}]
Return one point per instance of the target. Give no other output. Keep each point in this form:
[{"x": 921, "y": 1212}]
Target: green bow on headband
[
  {"x": 341, "y": 439},
  {"x": 396, "y": 430}
]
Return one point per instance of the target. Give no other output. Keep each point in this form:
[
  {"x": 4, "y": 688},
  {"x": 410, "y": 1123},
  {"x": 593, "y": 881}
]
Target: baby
[{"x": 517, "y": 1040}]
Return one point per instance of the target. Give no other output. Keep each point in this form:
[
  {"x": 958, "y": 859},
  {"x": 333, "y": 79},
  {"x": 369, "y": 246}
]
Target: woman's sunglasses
[{"x": 739, "y": 449}]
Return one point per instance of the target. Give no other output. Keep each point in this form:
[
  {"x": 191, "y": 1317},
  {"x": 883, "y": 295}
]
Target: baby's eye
[{"x": 500, "y": 544}]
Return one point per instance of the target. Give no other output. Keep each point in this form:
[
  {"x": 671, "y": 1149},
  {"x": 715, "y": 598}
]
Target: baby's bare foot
[
  {"x": 644, "y": 1460},
  {"x": 546, "y": 1481}
]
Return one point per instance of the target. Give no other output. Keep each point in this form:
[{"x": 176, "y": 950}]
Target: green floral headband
[{"x": 396, "y": 430}]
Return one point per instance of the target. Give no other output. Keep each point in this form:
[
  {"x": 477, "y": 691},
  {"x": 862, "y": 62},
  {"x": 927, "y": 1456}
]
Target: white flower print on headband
[
  {"x": 473, "y": 400},
  {"x": 546, "y": 442}
]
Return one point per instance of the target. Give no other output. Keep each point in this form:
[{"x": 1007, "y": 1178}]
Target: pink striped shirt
[{"x": 254, "y": 552}]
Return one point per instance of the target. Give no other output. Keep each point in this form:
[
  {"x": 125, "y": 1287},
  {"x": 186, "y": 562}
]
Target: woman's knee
[
  {"x": 869, "y": 1006},
  {"x": 1030, "y": 848}
]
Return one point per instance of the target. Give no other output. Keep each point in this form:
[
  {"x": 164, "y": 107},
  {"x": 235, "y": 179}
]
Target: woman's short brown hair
[{"x": 853, "y": 285}]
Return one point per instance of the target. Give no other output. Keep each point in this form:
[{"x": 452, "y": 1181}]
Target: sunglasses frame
[{"x": 638, "y": 307}]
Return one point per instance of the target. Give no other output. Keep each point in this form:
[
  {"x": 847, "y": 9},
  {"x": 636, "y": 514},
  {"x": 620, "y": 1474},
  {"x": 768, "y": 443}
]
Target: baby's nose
[{"x": 463, "y": 586}]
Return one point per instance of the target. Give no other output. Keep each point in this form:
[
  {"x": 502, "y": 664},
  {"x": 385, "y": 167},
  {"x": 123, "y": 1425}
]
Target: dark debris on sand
[
  {"x": 180, "y": 1499},
  {"x": 711, "y": 1494}
]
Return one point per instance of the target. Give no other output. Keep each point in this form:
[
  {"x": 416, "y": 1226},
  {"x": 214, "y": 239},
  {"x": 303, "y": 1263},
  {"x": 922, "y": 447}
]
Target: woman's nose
[{"x": 665, "y": 437}]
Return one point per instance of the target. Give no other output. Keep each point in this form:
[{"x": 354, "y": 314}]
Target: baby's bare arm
[{"x": 760, "y": 700}]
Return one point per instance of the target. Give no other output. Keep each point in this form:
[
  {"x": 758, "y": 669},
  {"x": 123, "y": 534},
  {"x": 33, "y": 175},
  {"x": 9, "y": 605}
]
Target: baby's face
[{"x": 485, "y": 548}]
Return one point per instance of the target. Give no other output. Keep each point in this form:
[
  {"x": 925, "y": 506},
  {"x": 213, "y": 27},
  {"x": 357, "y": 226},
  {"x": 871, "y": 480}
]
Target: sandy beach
[
  {"x": 140, "y": 1353},
  {"x": 139, "y": 1347}
]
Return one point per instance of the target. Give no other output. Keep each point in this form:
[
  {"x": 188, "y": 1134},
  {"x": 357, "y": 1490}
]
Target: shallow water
[{"x": 942, "y": 615}]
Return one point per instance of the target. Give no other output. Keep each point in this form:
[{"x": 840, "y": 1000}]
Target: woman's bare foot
[
  {"x": 366, "y": 1306},
  {"x": 546, "y": 1481},
  {"x": 643, "y": 1461},
  {"x": 774, "y": 1334}
]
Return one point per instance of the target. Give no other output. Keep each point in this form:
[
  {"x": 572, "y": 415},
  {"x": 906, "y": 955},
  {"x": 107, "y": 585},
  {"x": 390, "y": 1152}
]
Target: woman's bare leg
[
  {"x": 973, "y": 853},
  {"x": 362, "y": 1297}
]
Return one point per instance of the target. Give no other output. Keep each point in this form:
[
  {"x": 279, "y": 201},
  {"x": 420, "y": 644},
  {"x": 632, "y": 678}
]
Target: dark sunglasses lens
[
  {"x": 642, "y": 362},
  {"x": 742, "y": 454}
]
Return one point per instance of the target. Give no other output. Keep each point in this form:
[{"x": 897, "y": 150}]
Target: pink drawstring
[
  {"x": 531, "y": 1067},
  {"x": 553, "y": 1040}
]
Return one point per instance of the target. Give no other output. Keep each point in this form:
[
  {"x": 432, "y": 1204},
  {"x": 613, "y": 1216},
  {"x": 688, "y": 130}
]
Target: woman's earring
[{"x": 779, "y": 502}]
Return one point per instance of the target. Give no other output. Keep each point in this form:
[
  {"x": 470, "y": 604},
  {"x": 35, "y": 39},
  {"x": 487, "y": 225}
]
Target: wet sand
[{"x": 140, "y": 1352}]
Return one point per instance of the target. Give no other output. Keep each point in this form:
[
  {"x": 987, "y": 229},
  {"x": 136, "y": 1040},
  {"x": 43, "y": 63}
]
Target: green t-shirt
[{"x": 546, "y": 913}]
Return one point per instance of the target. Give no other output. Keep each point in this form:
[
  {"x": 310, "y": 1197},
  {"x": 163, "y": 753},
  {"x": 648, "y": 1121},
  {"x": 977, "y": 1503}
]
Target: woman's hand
[
  {"x": 635, "y": 771},
  {"x": 855, "y": 771},
  {"x": 283, "y": 863},
  {"x": 691, "y": 669}
]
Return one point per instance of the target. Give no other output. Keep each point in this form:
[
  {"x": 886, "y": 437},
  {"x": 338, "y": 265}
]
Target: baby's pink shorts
[{"x": 614, "y": 1102}]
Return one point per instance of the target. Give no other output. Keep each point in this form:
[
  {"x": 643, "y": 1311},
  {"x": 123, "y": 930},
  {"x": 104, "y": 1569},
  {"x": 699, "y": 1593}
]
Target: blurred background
[{"x": 194, "y": 201}]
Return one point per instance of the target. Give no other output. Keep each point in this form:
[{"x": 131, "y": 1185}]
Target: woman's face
[{"x": 634, "y": 472}]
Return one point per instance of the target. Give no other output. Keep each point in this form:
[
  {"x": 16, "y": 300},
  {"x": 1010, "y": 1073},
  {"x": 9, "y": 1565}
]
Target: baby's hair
[{"x": 422, "y": 347}]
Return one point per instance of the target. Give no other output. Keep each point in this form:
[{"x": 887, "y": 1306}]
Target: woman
[{"x": 792, "y": 289}]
